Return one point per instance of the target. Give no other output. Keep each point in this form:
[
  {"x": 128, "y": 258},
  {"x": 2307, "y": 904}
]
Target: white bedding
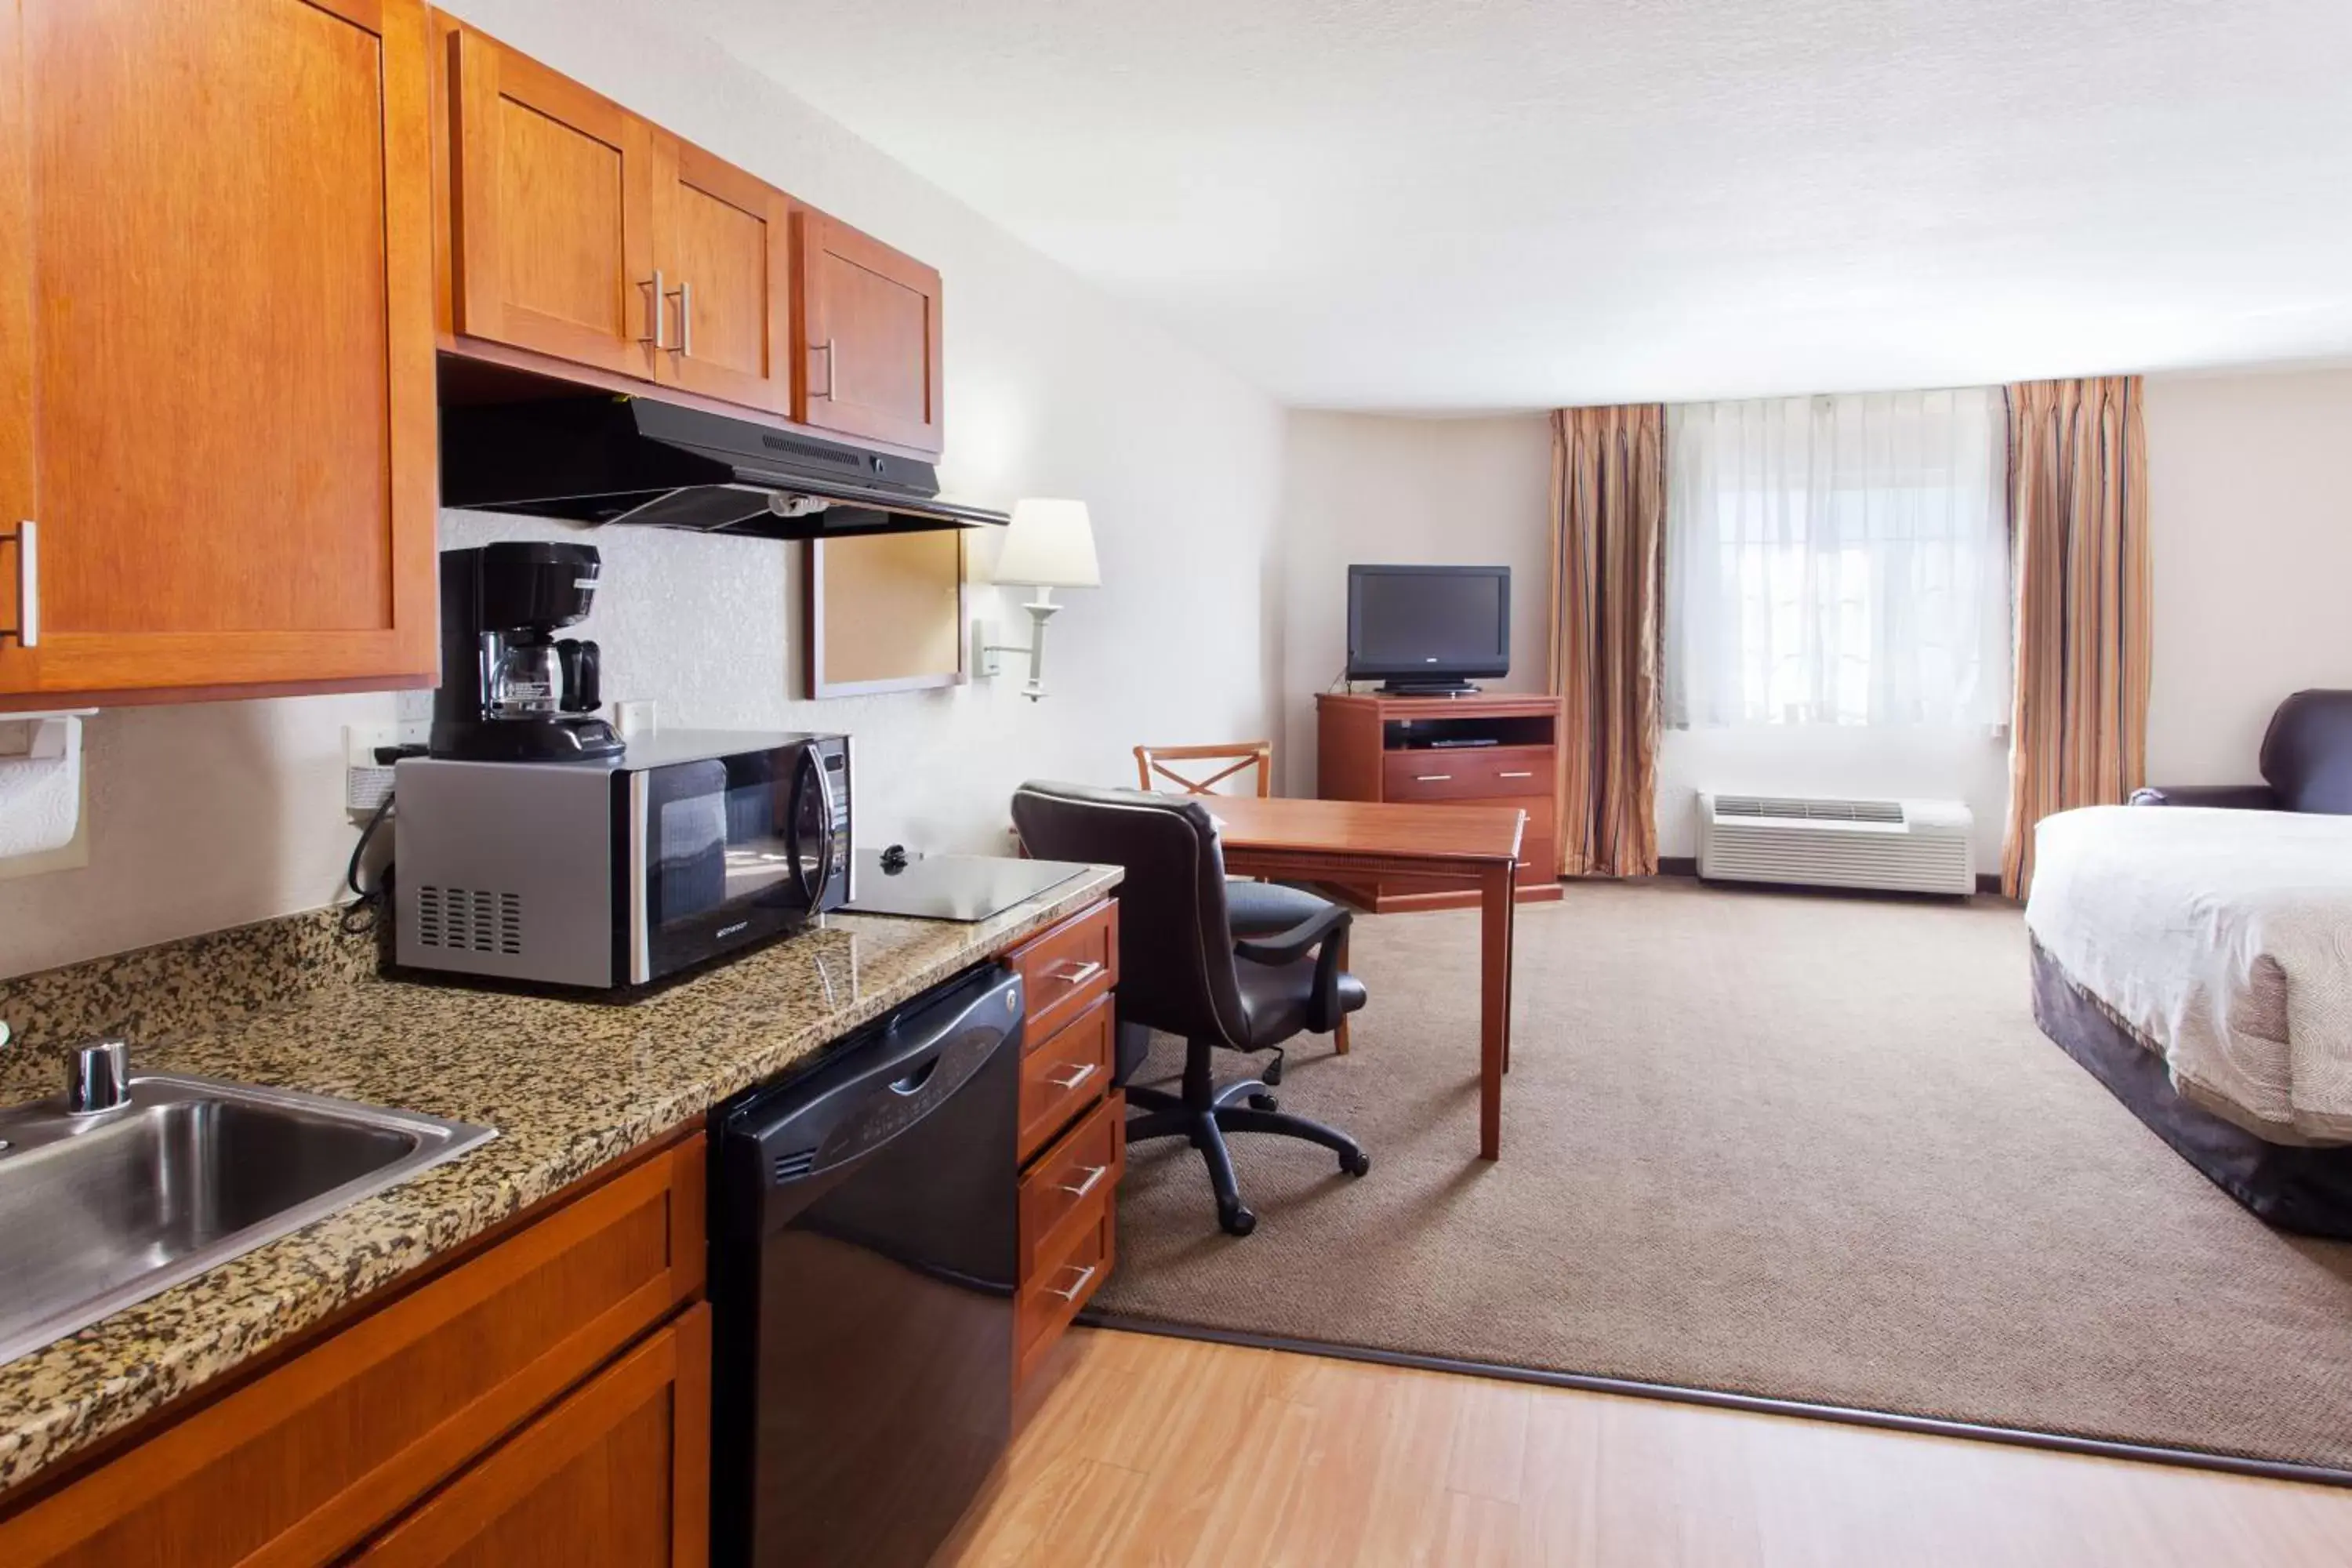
[{"x": 2225, "y": 939}]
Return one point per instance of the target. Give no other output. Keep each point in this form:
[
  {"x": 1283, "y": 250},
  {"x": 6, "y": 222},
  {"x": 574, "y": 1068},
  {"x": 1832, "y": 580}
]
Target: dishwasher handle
[{"x": 879, "y": 1083}]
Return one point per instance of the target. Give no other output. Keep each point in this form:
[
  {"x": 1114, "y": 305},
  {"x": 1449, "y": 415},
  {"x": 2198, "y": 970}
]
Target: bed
[{"x": 2198, "y": 961}]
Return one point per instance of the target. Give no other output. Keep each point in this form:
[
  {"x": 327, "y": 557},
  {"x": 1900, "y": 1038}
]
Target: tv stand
[{"x": 1475, "y": 749}]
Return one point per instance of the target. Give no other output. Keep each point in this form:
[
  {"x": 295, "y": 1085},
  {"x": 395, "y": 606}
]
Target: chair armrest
[
  {"x": 1290, "y": 946},
  {"x": 2233, "y": 798}
]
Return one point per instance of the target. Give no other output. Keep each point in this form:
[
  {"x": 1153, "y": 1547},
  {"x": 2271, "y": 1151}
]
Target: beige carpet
[{"x": 1812, "y": 1148}]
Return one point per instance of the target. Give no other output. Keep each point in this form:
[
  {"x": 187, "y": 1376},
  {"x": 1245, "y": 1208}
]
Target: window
[{"x": 1838, "y": 561}]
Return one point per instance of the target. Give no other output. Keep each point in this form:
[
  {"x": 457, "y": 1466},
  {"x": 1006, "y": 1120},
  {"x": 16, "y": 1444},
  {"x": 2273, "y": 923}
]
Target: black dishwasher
[{"x": 864, "y": 1240}]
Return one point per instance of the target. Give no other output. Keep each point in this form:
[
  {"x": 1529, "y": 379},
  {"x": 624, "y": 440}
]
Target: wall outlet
[{"x": 366, "y": 782}]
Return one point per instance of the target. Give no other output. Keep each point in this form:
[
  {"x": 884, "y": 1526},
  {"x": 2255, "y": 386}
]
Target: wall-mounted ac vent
[
  {"x": 1898, "y": 845},
  {"x": 469, "y": 920}
]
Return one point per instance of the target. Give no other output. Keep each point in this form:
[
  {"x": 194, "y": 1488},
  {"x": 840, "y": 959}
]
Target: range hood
[{"x": 617, "y": 459}]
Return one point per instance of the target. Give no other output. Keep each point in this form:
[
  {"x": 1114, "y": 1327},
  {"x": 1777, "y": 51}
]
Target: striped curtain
[
  {"x": 2078, "y": 514},
  {"x": 1608, "y": 531}
]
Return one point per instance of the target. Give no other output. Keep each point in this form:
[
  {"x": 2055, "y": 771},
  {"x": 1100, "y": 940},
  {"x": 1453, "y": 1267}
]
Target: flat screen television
[{"x": 1429, "y": 628}]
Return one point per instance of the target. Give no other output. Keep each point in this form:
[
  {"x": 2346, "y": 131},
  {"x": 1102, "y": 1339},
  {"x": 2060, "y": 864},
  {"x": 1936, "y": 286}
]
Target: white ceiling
[{"x": 1510, "y": 203}]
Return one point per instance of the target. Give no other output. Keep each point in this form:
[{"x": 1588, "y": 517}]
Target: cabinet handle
[
  {"x": 1431, "y": 778},
  {"x": 653, "y": 312},
  {"x": 1094, "y": 1173},
  {"x": 685, "y": 317},
  {"x": 1085, "y": 1277},
  {"x": 832, "y": 369},
  {"x": 1076, "y": 975},
  {"x": 28, "y": 629},
  {"x": 1074, "y": 1079},
  {"x": 1519, "y": 775}
]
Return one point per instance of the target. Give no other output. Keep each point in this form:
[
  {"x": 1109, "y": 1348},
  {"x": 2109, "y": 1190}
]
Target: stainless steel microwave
[{"x": 689, "y": 846}]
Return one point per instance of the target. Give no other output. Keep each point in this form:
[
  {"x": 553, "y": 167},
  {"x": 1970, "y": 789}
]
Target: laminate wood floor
[{"x": 1158, "y": 1450}]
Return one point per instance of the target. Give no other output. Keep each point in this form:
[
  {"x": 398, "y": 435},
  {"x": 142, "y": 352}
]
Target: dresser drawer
[
  {"x": 1065, "y": 967},
  {"x": 1068, "y": 1072},
  {"x": 1065, "y": 1280},
  {"x": 1087, "y": 1160},
  {"x": 1468, "y": 773}
]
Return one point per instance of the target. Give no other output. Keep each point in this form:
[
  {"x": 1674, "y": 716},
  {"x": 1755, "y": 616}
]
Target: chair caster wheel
[
  {"x": 1273, "y": 1075},
  {"x": 1237, "y": 1221},
  {"x": 1357, "y": 1163},
  {"x": 1265, "y": 1102}
]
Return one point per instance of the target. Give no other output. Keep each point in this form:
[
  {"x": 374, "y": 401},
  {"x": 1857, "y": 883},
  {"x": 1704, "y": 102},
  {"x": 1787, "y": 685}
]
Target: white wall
[
  {"x": 210, "y": 815},
  {"x": 1361, "y": 488},
  {"x": 2249, "y": 518}
]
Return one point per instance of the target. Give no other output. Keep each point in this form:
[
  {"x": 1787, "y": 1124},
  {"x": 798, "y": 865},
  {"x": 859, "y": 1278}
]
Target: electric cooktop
[{"x": 950, "y": 887}]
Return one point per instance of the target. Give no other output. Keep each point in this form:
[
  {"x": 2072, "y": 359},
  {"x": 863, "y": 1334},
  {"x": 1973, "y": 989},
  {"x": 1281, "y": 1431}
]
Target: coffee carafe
[{"x": 511, "y": 689}]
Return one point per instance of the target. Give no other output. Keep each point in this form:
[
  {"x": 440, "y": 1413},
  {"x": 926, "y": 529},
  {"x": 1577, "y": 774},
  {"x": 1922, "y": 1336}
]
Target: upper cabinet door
[
  {"x": 724, "y": 239},
  {"x": 551, "y": 213},
  {"x": 872, "y": 326},
  {"x": 216, "y": 377}
]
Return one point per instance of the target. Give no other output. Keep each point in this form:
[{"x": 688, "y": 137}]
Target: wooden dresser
[
  {"x": 1073, "y": 1133},
  {"x": 1388, "y": 749}
]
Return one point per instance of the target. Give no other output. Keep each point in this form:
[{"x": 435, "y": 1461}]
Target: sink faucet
[{"x": 99, "y": 1077}]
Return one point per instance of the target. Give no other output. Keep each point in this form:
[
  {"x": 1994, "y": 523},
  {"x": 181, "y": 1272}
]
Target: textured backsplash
[{"x": 156, "y": 992}]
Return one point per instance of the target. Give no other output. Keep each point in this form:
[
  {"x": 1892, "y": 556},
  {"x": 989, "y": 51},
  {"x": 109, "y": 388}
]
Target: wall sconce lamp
[{"x": 1050, "y": 545}]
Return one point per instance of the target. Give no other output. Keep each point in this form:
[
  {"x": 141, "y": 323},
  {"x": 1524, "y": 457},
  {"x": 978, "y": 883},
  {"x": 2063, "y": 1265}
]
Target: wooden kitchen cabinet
[
  {"x": 870, "y": 329},
  {"x": 725, "y": 243},
  {"x": 480, "y": 1387},
  {"x": 589, "y": 239},
  {"x": 1072, "y": 1139},
  {"x": 216, "y": 377},
  {"x": 551, "y": 212},
  {"x": 619, "y": 1473}
]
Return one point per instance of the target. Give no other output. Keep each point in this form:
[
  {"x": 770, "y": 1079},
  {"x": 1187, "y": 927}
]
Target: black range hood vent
[{"x": 614, "y": 459}]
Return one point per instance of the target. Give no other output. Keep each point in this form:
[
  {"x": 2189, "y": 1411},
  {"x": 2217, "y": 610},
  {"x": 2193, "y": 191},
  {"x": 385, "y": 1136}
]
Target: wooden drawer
[
  {"x": 1481, "y": 773},
  {"x": 305, "y": 1461},
  {"x": 1087, "y": 1160},
  {"x": 1540, "y": 839},
  {"x": 1067, "y": 1073},
  {"x": 1066, "y": 966},
  {"x": 619, "y": 1472},
  {"x": 1066, "y": 1277}
]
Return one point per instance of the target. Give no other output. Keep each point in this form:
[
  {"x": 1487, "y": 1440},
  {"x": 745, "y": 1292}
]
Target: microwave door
[{"x": 809, "y": 837}]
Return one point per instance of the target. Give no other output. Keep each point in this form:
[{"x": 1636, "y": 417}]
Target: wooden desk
[{"x": 1350, "y": 841}]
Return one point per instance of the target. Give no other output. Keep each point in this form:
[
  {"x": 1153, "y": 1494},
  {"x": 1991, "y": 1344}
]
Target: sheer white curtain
[{"x": 1838, "y": 560}]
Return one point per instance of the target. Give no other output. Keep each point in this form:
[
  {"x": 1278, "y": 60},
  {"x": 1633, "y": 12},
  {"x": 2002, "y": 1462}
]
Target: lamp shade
[{"x": 1050, "y": 544}]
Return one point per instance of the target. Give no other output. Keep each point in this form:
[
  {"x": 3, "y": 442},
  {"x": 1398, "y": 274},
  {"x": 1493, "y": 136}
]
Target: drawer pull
[
  {"x": 1094, "y": 1173},
  {"x": 1079, "y": 1073},
  {"x": 1431, "y": 778},
  {"x": 1527, "y": 774},
  {"x": 1076, "y": 975},
  {"x": 1085, "y": 1278},
  {"x": 657, "y": 310},
  {"x": 28, "y": 629}
]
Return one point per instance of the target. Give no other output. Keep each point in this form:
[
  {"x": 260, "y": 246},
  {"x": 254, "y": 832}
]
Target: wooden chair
[
  {"x": 1243, "y": 755},
  {"x": 1258, "y": 908}
]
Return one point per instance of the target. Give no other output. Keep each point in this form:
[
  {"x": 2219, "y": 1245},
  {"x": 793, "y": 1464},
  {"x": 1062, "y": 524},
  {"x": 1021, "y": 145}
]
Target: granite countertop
[{"x": 570, "y": 1085}]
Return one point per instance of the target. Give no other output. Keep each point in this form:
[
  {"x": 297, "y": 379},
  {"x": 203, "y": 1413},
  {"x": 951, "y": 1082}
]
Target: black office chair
[{"x": 1181, "y": 970}]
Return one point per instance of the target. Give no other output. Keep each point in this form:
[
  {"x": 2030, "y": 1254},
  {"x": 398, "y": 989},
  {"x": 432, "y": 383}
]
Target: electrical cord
[{"x": 360, "y": 915}]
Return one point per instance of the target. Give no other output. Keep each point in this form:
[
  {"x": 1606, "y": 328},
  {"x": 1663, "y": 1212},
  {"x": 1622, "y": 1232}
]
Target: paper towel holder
[{"x": 47, "y": 734}]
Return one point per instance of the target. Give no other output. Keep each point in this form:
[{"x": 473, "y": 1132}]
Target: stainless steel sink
[{"x": 104, "y": 1207}]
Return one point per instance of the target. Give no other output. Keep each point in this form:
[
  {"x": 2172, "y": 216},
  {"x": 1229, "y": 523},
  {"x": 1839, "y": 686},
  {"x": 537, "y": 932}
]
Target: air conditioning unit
[{"x": 1899, "y": 846}]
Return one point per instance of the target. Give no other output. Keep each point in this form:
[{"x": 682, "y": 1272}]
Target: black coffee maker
[{"x": 510, "y": 691}]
